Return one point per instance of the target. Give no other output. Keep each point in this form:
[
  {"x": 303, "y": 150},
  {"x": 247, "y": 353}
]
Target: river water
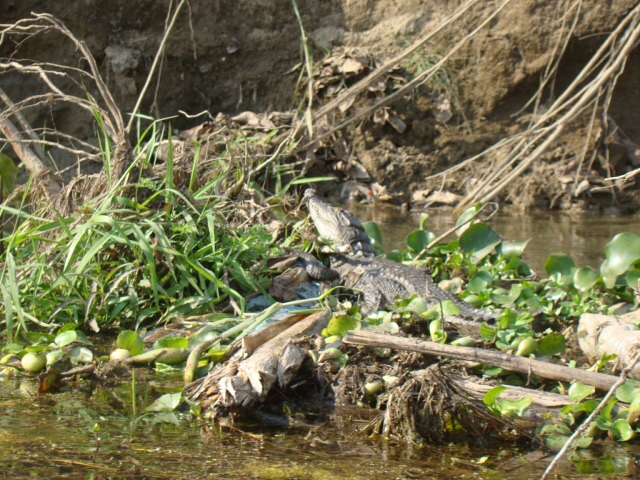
[
  {"x": 583, "y": 236},
  {"x": 88, "y": 432}
]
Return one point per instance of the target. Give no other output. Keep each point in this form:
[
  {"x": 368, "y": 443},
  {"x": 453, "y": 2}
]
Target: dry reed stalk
[
  {"x": 154, "y": 65},
  {"x": 23, "y": 137},
  {"x": 586, "y": 89},
  {"x": 378, "y": 73}
]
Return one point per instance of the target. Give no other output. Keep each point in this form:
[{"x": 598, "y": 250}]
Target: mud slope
[{"x": 245, "y": 55}]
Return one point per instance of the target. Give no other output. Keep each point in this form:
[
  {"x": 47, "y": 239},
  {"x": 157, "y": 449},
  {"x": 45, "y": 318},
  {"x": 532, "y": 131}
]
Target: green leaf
[
  {"x": 66, "y": 338},
  {"x": 480, "y": 281},
  {"x": 628, "y": 391},
  {"x": 417, "y": 240},
  {"x": 173, "y": 341},
  {"x": 492, "y": 395},
  {"x": 12, "y": 347},
  {"x": 436, "y": 331},
  {"x": 551, "y": 344},
  {"x": 341, "y": 324},
  {"x": 579, "y": 391},
  {"x": 372, "y": 229},
  {"x": 607, "y": 411},
  {"x": 54, "y": 356},
  {"x": 131, "y": 341},
  {"x": 8, "y": 175},
  {"x": 622, "y": 430},
  {"x": 508, "y": 299},
  {"x": 512, "y": 249},
  {"x": 620, "y": 253},
  {"x": 478, "y": 241},
  {"x": 555, "y": 442},
  {"x": 450, "y": 308},
  {"x": 584, "y": 278},
  {"x": 465, "y": 341},
  {"x": 165, "y": 403},
  {"x": 633, "y": 413},
  {"x": 632, "y": 278},
  {"x": 395, "y": 255},
  {"x": 416, "y": 305},
  {"x": 487, "y": 332},
  {"x": 556, "y": 429},
  {"x": 424, "y": 221},
  {"x": 466, "y": 215},
  {"x": 474, "y": 300},
  {"x": 560, "y": 267},
  {"x": 81, "y": 355},
  {"x": 69, "y": 336},
  {"x": 514, "y": 407}
]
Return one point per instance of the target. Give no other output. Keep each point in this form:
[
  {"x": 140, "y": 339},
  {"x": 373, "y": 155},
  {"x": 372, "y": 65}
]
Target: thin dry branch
[
  {"x": 107, "y": 98},
  {"x": 63, "y": 84},
  {"x": 32, "y": 162},
  {"x": 26, "y": 128},
  {"x": 378, "y": 73}
]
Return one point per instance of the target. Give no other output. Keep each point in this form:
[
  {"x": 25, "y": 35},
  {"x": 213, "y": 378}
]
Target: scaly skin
[{"x": 380, "y": 280}]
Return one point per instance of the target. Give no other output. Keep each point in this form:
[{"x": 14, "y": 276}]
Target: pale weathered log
[
  {"x": 600, "y": 335},
  {"x": 539, "y": 397},
  {"x": 240, "y": 383},
  {"x": 499, "y": 359},
  {"x": 27, "y": 156}
]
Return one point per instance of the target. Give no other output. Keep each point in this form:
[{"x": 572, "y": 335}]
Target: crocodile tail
[{"x": 466, "y": 310}]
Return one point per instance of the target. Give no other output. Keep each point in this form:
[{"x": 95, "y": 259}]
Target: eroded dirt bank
[{"x": 245, "y": 56}]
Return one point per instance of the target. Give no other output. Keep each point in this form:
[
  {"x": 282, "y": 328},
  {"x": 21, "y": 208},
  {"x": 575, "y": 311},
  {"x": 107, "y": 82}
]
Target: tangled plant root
[{"x": 429, "y": 408}]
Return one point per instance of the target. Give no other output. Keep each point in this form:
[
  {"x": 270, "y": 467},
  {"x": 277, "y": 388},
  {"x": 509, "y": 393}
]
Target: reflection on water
[
  {"x": 583, "y": 236},
  {"x": 91, "y": 433}
]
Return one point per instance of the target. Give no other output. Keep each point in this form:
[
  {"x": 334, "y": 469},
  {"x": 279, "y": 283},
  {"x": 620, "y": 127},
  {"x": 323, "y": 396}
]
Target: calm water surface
[
  {"x": 84, "y": 432},
  {"x": 583, "y": 236}
]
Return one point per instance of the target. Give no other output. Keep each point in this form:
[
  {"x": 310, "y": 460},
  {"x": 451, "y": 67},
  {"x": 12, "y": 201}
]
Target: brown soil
[{"x": 242, "y": 56}]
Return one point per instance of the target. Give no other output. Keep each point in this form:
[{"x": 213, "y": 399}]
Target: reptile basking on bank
[{"x": 354, "y": 263}]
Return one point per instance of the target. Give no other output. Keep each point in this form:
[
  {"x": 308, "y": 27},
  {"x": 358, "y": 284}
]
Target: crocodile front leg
[{"x": 316, "y": 269}]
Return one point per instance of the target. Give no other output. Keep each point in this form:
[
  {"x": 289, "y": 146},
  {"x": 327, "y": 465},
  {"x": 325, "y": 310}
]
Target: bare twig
[
  {"x": 420, "y": 79},
  {"x": 32, "y": 162},
  {"x": 573, "y": 100},
  {"x": 110, "y": 103},
  {"x": 444, "y": 235},
  {"x": 370, "y": 79},
  {"x": 583, "y": 427}
]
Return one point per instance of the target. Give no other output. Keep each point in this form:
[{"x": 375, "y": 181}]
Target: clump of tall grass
[
  {"x": 156, "y": 234},
  {"x": 143, "y": 252}
]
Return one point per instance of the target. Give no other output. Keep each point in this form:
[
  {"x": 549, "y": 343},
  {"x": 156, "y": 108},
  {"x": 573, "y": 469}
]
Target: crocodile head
[{"x": 342, "y": 230}]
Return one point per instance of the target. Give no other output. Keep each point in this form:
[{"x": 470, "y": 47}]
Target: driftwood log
[
  {"x": 600, "y": 335},
  {"x": 469, "y": 354}
]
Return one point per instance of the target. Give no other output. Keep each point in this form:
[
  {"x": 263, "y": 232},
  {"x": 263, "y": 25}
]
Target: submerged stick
[
  {"x": 587, "y": 421},
  {"x": 498, "y": 359}
]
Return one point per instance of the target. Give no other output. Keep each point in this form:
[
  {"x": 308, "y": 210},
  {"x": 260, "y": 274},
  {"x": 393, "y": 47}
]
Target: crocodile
[{"x": 354, "y": 262}]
